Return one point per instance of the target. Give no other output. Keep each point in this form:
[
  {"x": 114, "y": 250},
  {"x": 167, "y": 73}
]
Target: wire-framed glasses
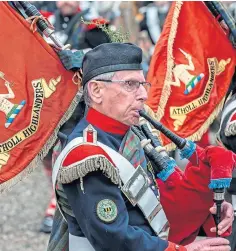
[{"x": 129, "y": 85}]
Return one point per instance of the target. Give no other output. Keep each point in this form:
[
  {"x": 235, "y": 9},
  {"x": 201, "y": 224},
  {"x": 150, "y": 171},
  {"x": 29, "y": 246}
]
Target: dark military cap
[{"x": 110, "y": 57}]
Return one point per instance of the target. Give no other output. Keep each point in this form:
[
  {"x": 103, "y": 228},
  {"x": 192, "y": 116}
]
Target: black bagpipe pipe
[
  {"x": 213, "y": 10},
  {"x": 160, "y": 158},
  {"x": 178, "y": 141},
  {"x": 30, "y": 12},
  {"x": 150, "y": 144},
  {"x": 43, "y": 26},
  {"x": 224, "y": 18}
]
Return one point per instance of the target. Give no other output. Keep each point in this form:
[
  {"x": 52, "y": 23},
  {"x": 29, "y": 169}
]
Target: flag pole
[
  {"x": 31, "y": 11},
  {"x": 224, "y": 18}
]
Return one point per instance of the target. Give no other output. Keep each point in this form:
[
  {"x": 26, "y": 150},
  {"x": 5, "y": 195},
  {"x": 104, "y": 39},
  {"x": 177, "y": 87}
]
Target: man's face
[{"x": 120, "y": 104}]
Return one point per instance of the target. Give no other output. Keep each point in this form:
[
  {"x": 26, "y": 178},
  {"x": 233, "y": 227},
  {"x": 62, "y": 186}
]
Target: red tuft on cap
[{"x": 99, "y": 20}]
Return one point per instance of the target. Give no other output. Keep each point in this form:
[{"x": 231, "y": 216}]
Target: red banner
[
  {"x": 190, "y": 71},
  {"x": 36, "y": 96}
]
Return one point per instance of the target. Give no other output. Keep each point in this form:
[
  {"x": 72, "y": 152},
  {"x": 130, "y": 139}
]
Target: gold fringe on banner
[
  {"x": 166, "y": 91},
  {"x": 6, "y": 186}
]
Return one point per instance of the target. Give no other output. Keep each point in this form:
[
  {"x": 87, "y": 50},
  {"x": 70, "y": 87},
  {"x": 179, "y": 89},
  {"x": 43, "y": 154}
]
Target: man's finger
[
  {"x": 205, "y": 245},
  {"x": 225, "y": 223},
  {"x": 223, "y": 226},
  {"x": 213, "y": 229},
  {"x": 218, "y": 248},
  {"x": 228, "y": 209},
  {"x": 223, "y": 230},
  {"x": 216, "y": 241},
  {"x": 213, "y": 210}
]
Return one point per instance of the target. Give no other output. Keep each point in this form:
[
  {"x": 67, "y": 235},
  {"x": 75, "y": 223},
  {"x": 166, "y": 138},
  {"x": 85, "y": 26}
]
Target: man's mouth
[{"x": 137, "y": 112}]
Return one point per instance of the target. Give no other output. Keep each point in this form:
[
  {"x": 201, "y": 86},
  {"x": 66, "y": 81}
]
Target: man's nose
[{"x": 142, "y": 93}]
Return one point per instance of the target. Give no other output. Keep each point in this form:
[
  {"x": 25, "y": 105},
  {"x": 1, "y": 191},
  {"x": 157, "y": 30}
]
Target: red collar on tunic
[{"x": 106, "y": 123}]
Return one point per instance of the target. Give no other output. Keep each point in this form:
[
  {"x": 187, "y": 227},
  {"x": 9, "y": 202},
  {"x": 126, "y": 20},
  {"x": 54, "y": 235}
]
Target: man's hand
[
  {"x": 227, "y": 216},
  {"x": 212, "y": 244}
]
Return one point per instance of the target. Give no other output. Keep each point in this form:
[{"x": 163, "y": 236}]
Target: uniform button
[{"x": 64, "y": 25}]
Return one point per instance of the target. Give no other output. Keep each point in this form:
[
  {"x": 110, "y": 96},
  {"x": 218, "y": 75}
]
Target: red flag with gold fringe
[
  {"x": 37, "y": 95},
  {"x": 190, "y": 71}
]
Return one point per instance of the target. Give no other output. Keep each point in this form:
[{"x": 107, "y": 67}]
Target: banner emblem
[
  {"x": 10, "y": 109},
  {"x": 41, "y": 90},
  {"x": 181, "y": 74}
]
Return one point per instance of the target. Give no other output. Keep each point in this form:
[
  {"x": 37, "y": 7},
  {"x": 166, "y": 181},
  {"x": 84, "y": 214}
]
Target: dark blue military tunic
[{"x": 129, "y": 230}]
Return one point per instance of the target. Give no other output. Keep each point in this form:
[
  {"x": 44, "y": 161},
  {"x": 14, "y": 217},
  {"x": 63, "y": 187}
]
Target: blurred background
[{"x": 27, "y": 211}]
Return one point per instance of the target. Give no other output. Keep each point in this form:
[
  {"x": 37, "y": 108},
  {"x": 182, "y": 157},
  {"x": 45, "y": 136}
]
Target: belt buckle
[{"x": 136, "y": 186}]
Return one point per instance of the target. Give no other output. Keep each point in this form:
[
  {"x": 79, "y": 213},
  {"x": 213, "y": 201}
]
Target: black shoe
[{"x": 46, "y": 226}]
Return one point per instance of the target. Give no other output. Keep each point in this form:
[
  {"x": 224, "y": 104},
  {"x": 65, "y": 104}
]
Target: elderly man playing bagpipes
[{"x": 116, "y": 186}]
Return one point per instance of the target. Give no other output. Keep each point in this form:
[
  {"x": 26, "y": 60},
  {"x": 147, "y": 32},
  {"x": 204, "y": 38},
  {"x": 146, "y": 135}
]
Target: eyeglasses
[{"x": 129, "y": 85}]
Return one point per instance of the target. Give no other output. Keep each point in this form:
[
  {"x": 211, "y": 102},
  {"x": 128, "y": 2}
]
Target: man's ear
[{"x": 95, "y": 91}]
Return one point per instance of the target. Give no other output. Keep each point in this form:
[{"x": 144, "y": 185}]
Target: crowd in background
[{"x": 142, "y": 20}]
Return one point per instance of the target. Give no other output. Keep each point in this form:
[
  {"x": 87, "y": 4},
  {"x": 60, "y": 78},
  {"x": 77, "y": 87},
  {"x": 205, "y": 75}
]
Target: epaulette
[{"x": 85, "y": 158}]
